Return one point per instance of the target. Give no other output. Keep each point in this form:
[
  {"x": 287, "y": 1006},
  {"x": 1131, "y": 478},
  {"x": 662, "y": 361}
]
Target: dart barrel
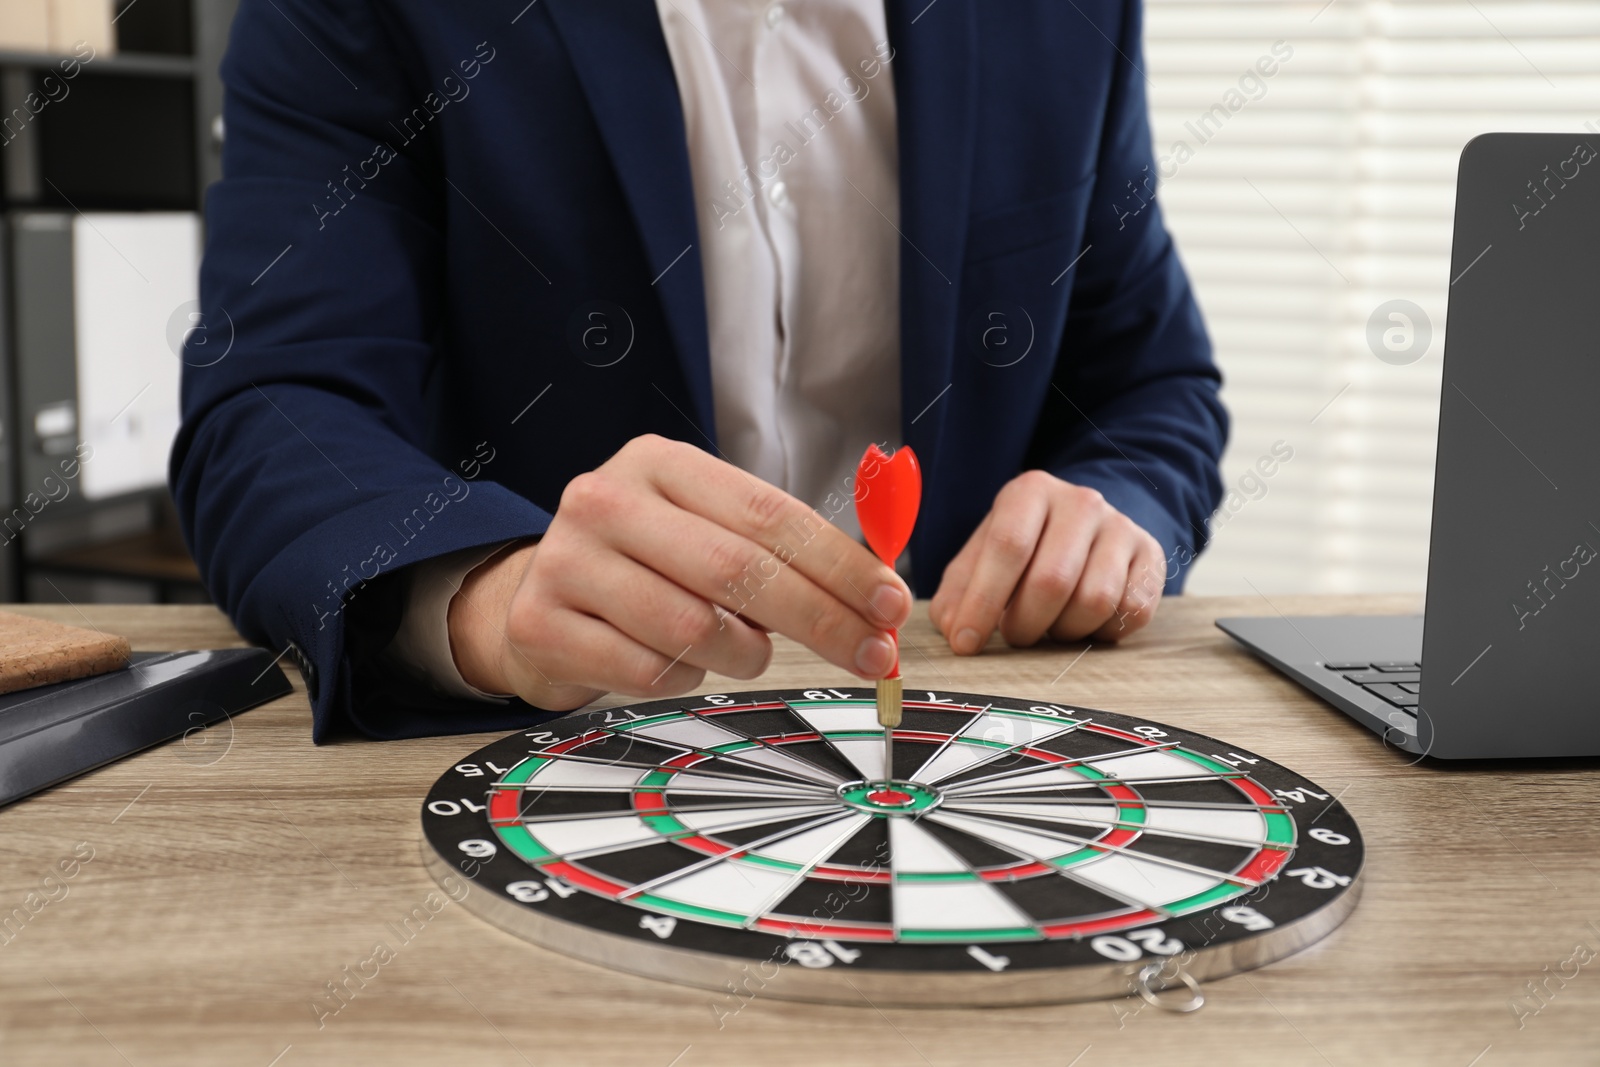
[{"x": 889, "y": 702}]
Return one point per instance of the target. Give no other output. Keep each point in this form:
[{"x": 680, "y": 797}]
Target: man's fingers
[
  {"x": 667, "y": 618},
  {"x": 953, "y": 583},
  {"x": 574, "y": 649},
  {"x": 1019, "y": 517},
  {"x": 1051, "y": 578},
  {"x": 1146, "y": 576},
  {"x": 752, "y": 583},
  {"x": 798, "y": 536},
  {"x": 1100, "y": 589}
]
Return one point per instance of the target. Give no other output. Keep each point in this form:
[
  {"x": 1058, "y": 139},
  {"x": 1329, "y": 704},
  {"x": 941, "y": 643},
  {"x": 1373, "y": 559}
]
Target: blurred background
[
  {"x": 1314, "y": 214},
  {"x": 1306, "y": 163},
  {"x": 109, "y": 133}
]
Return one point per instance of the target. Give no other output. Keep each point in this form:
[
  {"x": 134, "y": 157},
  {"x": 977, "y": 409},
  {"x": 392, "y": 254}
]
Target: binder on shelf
[
  {"x": 163, "y": 27},
  {"x": 57, "y": 25},
  {"x": 96, "y": 373},
  {"x": 25, "y": 25},
  {"x": 46, "y": 373},
  {"x": 123, "y": 141},
  {"x": 133, "y": 275},
  {"x": 89, "y": 21},
  {"x": 10, "y": 551}
]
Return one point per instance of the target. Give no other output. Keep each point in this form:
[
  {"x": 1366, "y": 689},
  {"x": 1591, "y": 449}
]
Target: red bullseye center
[{"x": 892, "y": 798}]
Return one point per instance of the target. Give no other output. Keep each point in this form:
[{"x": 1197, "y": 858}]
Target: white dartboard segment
[
  {"x": 725, "y": 819},
  {"x": 1146, "y": 765},
  {"x": 975, "y": 906},
  {"x": 813, "y": 846},
  {"x": 1152, "y": 884},
  {"x": 726, "y": 887},
  {"x": 690, "y": 782},
  {"x": 865, "y": 756},
  {"x": 1025, "y": 842},
  {"x": 560, "y": 774},
  {"x": 1024, "y": 781},
  {"x": 840, "y": 718},
  {"x": 916, "y": 851},
  {"x": 590, "y": 834},
  {"x": 695, "y": 732},
  {"x": 1244, "y": 827},
  {"x": 966, "y": 753}
]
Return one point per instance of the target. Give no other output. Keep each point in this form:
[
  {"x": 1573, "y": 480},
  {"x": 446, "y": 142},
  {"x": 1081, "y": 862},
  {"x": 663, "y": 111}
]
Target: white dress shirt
[{"x": 789, "y": 111}]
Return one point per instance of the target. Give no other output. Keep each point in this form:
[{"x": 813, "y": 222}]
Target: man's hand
[
  {"x": 660, "y": 565},
  {"x": 1050, "y": 558}
]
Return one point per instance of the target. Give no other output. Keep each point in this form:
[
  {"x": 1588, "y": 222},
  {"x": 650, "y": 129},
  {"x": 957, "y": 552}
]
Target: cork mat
[{"x": 36, "y": 652}]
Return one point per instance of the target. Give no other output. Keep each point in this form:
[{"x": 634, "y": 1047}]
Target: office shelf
[
  {"x": 140, "y": 130},
  {"x": 153, "y": 65}
]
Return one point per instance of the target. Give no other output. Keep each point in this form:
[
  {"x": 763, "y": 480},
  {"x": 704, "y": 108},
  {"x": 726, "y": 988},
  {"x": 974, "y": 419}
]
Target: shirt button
[
  {"x": 775, "y": 15},
  {"x": 778, "y": 193}
]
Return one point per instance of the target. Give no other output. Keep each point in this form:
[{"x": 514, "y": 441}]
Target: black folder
[{"x": 57, "y": 732}]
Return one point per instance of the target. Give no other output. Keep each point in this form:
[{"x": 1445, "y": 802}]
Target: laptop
[{"x": 1505, "y": 660}]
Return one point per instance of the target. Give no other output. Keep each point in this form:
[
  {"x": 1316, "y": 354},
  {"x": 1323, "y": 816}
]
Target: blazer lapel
[
  {"x": 622, "y": 62},
  {"x": 935, "y": 78}
]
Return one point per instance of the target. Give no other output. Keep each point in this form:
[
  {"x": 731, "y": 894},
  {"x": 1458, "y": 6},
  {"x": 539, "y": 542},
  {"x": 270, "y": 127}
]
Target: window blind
[{"x": 1307, "y": 155}]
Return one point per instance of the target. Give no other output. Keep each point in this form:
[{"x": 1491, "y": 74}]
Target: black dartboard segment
[{"x": 1036, "y": 853}]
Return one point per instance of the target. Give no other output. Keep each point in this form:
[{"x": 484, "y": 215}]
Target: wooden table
[{"x": 230, "y": 881}]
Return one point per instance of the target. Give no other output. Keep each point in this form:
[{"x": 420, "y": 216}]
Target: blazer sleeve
[
  {"x": 299, "y": 471},
  {"x": 1133, "y": 409}
]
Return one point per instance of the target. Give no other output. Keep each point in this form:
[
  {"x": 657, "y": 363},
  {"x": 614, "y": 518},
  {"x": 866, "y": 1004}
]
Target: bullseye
[{"x": 891, "y": 799}]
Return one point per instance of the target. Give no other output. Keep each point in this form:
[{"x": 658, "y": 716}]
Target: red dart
[{"x": 888, "y": 494}]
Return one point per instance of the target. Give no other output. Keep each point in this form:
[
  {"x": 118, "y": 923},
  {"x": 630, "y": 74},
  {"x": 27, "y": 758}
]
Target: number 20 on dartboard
[{"x": 1135, "y": 943}]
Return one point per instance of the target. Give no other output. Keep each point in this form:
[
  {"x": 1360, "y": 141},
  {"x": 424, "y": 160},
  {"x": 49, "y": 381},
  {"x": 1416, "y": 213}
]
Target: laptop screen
[{"x": 1511, "y": 645}]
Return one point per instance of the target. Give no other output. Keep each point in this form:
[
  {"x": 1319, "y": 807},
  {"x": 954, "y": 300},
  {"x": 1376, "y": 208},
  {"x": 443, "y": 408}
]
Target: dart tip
[{"x": 889, "y": 706}]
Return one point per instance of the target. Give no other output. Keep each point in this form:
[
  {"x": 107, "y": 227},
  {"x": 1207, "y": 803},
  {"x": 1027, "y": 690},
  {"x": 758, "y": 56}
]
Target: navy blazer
[{"x": 429, "y": 208}]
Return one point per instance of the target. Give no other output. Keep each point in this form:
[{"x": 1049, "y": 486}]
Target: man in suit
[{"x": 557, "y": 329}]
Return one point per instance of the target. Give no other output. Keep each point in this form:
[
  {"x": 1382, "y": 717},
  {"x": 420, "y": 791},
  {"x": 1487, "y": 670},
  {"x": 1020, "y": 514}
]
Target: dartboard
[{"x": 1016, "y": 852}]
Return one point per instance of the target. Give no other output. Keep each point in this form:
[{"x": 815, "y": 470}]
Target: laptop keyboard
[{"x": 1398, "y": 683}]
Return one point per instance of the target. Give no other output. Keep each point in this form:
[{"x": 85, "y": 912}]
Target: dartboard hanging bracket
[{"x": 1144, "y": 984}]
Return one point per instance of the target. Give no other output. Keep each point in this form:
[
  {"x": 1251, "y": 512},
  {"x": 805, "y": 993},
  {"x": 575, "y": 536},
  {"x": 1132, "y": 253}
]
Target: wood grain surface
[{"x": 231, "y": 877}]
